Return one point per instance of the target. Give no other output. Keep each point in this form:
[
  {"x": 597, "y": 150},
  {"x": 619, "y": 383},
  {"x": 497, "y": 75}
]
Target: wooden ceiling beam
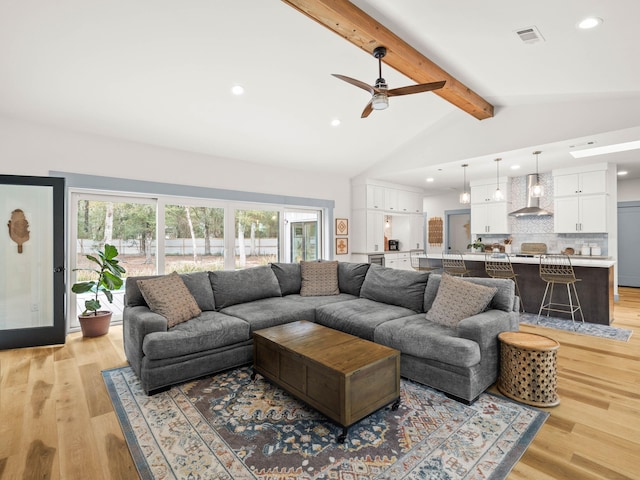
[{"x": 353, "y": 24}]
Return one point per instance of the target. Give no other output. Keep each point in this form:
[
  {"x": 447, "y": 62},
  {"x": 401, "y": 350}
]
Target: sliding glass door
[
  {"x": 128, "y": 223},
  {"x": 158, "y": 235}
]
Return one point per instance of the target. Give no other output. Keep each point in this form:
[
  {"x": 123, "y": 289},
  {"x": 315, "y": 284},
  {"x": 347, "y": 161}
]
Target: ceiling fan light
[{"x": 379, "y": 101}]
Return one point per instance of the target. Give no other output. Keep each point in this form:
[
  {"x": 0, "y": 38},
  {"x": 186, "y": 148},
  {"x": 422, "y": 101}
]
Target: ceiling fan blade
[
  {"x": 367, "y": 110},
  {"x": 422, "y": 87},
  {"x": 355, "y": 82}
]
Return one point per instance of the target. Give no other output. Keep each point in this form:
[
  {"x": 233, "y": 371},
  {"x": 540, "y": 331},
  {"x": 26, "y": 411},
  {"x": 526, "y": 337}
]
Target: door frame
[
  {"x": 447, "y": 215},
  {"x": 56, "y": 333}
]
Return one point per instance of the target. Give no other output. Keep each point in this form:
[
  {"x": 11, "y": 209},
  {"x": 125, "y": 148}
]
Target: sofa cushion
[
  {"x": 458, "y": 299},
  {"x": 358, "y": 317},
  {"x": 351, "y": 277},
  {"x": 241, "y": 286},
  {"x": 288, "y": 275},
  {"x": 502, "y": 300},
  {"x": 197, "y": 282},
  {"x": 319, "y": 278},
  {"x": 415, "y": 336},
  {"x": 403, "y": 288},
  {"x": 209, "y": 331},
  {"x": 169, "y": 296},
  {"x": 268, "y": 312},
  {"x": 318, "y": 301}
]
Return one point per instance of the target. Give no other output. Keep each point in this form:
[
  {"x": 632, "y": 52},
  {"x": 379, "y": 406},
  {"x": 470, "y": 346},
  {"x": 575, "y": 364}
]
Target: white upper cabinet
[
  {"x": 580, "y": 214},
  {"x": 483, "y": 192},
  {"x": 585, "y": 183},
  {"x": 491, "y": 217},
  {"x": 391, "y": 199},
  {"x": 375, "y": 197},
  {"x": 409, "y": 202},
  {"x": 581, "y": 199}
]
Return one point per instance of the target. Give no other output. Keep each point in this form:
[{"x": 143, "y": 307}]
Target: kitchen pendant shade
[
  {"x": 498, "y": 195},
  {"x": 537, "y": 190},
  {"x": 465, "y": 196}
]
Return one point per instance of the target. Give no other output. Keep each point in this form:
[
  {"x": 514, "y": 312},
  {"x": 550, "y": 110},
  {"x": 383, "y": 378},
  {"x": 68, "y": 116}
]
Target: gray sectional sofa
[{"x": 380, "y": 304}]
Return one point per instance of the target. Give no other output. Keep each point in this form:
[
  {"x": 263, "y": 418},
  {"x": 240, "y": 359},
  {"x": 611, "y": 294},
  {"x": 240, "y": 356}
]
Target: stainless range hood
[{"x": 533, "y": 203}]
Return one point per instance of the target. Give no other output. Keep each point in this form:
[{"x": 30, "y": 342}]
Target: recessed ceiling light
[
  {"x": 622, "y": 172},
  {"x": 237, "y": 89},
  {"x": 515, "y": 167},
  {"x": 335, "y": 122},
  {"x": 589, "y": 22},
  {"x": 430, "y": 179}
]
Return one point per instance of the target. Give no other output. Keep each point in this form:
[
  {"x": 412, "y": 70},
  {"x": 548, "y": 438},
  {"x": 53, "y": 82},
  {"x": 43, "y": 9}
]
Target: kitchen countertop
[{"x": 576, "y": 260}]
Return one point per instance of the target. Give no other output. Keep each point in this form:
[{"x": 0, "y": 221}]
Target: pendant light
[
  {"x": 498, "y": 195},
  {"x": 465, "y": 196},
  {"x": 537, "y": 190}
]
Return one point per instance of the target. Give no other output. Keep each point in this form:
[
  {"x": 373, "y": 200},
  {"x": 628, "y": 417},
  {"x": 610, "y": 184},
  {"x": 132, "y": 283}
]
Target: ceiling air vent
[{"x": 530, "y": 35}]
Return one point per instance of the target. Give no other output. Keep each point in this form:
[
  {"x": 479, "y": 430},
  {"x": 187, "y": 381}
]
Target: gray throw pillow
[
  {"x": 403, "y": 288},
  {"x": 458, "y": 299},
  {"x": 288, "y": 275},
  {"x": 319, "y": 278},
  {"x": 241, "y": 286},
  {"x": 351, "y": 277}
]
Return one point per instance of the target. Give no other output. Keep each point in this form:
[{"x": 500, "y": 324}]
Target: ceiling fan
[{"x": 380, "y": 92}]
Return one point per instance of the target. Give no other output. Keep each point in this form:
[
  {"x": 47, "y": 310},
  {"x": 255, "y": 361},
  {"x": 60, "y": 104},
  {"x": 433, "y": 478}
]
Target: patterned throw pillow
[
  {"x": 169, "y": 297},
  {"x": 319, "y": 278},
  {"x": 458, "y": 299}
]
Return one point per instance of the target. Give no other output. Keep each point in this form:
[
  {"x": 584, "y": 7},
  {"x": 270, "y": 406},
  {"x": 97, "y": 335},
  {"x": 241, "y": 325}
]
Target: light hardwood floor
[{"x": 56, "y": 420}]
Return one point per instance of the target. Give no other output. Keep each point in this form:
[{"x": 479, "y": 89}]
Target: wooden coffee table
[{"x": 343, "y": 376}]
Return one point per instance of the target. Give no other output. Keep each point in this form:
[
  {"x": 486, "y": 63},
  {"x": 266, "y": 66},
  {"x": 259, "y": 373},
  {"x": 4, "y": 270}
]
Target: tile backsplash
[{"x": 540, "y": 229}]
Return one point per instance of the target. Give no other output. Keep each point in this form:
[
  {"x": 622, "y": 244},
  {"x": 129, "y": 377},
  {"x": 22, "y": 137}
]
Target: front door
[{"x": 32, "y": 250}]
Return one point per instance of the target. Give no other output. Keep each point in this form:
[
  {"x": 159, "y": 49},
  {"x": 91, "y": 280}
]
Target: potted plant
[
  {"x": 93, "y": 321},
  {"x": 476, "y": 245}
]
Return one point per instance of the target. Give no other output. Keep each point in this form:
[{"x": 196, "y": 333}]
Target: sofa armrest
[
  {"x": 137, "y": 323},
  {"x": 484, "y": 327}
]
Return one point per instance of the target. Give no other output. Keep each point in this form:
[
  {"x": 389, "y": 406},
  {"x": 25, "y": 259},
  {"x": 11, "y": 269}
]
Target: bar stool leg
[
  {"x": 578, "y": 301},
  {"x": 573, "y": 320},
  {"x": 542, "y": 304}
]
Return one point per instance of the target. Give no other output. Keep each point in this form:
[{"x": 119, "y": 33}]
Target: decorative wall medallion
[{"x": 18, "y": 228}]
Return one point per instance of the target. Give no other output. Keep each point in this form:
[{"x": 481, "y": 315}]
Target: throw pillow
[
  {"x": 458, "y": 299},
  {"x": 319, "y": 278},
  {"x": 231, "y": 287},
  {"x": 169, "y": 296}
]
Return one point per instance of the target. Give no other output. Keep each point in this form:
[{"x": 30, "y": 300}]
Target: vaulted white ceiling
[{"x": 160, "y": 72}]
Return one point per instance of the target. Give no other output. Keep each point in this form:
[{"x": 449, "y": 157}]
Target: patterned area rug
[
  {"x": 594, "y": 329},
  {"x": 230, "y": 427}
]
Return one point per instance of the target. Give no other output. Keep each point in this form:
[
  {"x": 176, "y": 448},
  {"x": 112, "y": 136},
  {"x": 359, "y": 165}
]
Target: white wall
[
  {"x": 629, "y": 190},
  {"x": 32, "y": 149},
  {"x": 436, "y": 206}
]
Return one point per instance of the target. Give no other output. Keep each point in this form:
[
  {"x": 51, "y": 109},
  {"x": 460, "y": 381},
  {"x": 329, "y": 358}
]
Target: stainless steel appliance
[
  {"x": 377, "y": 259},
  {"x": 394, "y": 245}
]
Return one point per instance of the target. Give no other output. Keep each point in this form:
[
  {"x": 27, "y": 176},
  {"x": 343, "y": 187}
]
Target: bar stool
[
  {"x": 498, "y": 265},
  {"x": 558, "y": 269},
  {"x": 453, "y": 264},
  {"x": 419, "y": 261}
]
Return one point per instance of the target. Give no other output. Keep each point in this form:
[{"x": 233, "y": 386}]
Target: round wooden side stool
[{"x": 528, "y": 368}]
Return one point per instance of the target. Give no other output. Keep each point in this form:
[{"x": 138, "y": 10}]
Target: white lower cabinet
[
  {"x": 584, "y": 214},
  {"x": 490, "y": 218},
  {"x": 400, "y": 260}
]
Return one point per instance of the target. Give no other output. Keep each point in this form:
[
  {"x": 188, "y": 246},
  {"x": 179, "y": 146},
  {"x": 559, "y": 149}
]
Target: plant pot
[{"x": 95, "y": 325}]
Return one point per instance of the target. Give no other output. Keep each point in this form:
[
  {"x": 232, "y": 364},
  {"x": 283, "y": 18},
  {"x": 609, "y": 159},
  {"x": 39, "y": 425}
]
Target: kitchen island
[{"x": 595, "y": 288}]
